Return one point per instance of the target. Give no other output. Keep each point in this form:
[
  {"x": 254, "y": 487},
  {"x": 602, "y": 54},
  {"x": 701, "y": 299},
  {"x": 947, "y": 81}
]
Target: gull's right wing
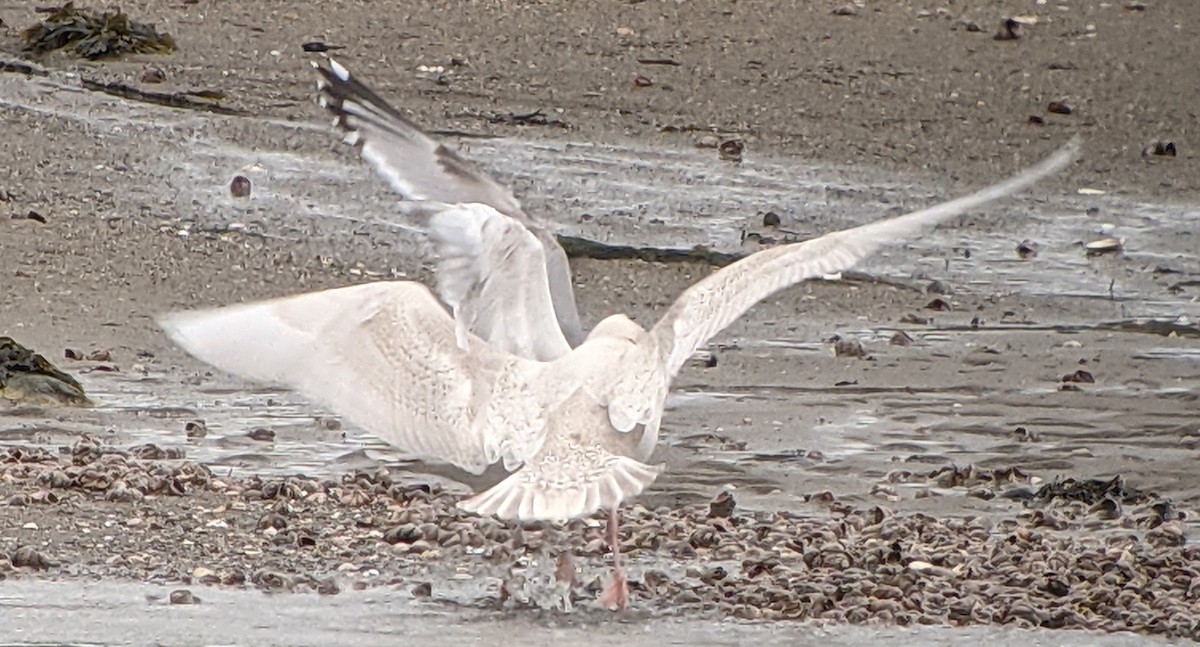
[
  {"x": 719, "y": 299},
  {"x": 415, "y": 165}
]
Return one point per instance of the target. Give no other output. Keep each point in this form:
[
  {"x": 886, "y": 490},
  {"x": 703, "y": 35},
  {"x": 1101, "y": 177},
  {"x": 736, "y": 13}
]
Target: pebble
[
  {"x": 29, "y": 557},
  {"x": 183, "y": 596},
  {"x": 843, "y": 347},
  {"x": 195, "y": 429},
  {"x": 731, "y": 150},
  {"x": 1160, "y": 149},
  {"x": 239, "y": 187},
  {"x": 1010, "y": 29},
  {"x": 1027, "y": 249},
  {"x": 1103, "y": 246},
  {"x": 1059, "y": 108},
  {"x": 262, "y": 434}
]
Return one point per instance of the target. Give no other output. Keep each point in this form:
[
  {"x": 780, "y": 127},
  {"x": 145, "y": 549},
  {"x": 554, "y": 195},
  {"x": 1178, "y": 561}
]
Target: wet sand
[
  {"x": 884, "y": 110},
  {"x": 374, "y": 618}
]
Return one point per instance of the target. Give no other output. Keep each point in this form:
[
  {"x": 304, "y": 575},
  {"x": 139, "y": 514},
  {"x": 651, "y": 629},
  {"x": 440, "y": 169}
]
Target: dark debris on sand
[
  {"x": 144, "y": 513},
  {"x": 28, "y": 378},
  {"x": 94, "y": 36}
]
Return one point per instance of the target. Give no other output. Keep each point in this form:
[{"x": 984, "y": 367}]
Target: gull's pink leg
[{"x": 615, "y": 596}]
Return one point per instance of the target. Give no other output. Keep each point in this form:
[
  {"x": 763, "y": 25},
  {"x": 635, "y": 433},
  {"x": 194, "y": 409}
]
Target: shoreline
[
  {"x": 93, "y": 511},
  {"x": 933, "y": 445}
]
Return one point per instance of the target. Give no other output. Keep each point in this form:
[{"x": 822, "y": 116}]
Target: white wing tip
[
  {"x": 174, "y": 322},
  {"x": 339, "y": 71}
]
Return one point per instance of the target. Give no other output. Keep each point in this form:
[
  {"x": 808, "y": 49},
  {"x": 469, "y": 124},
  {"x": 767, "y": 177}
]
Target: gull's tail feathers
[
  {"x": 583, "y": 465},
  {"x": 565, "y": 487}
]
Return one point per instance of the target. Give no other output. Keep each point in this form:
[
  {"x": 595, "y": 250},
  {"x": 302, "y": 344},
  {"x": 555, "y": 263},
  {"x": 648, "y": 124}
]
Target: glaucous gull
[{"x": 489, "y": 374}]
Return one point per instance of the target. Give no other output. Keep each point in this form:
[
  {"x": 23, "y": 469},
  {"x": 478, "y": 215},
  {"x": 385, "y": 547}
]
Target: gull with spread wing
[{"x": 574, "y": 427}]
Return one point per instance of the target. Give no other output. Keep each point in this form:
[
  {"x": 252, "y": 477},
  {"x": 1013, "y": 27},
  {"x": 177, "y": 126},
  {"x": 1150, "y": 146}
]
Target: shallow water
[{"x": 105, "y": 613}]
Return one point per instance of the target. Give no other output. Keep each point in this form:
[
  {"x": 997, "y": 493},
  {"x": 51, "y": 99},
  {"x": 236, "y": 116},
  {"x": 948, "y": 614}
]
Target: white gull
[{"x": 498, "y": 382}]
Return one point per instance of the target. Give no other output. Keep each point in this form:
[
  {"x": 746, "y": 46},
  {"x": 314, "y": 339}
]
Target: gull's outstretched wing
[
  {"x": 492, "y": 274},
  {"x": 384, "y": 356},
  {"x": 420, "y": 168},
  {"x": 718, "y": 300}
]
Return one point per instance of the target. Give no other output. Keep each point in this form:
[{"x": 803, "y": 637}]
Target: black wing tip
[
  {"x": 334, "y": 87},
  {"x": 354, "y": 105}
]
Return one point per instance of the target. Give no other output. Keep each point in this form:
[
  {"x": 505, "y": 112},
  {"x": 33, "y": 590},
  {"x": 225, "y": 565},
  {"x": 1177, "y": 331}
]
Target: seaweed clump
[
  {"x": 27, "y": 377},
  {"x": 94, "y": 36},
  {"x": 585, "y": 248}
]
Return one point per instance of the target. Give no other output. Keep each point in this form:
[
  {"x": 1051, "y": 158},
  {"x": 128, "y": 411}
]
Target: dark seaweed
[
  {"x": 94, "y": 36},
  {"x": 18, "y": 362}
]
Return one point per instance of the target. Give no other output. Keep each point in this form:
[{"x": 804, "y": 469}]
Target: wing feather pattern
[
  {"x": 719, "y": 299},
  {"x": 422, "y": 169},
  {"x": 384, "y": 356},
  {"x": 416, "y": 166},
  {"x": 492, "y": 274}
]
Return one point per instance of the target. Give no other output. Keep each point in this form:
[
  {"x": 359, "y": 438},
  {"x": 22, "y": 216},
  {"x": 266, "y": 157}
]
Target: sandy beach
[{"x": 978, "y": 443}]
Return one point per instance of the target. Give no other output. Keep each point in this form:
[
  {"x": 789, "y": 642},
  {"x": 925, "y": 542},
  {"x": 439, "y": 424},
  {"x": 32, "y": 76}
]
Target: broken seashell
[
  {"x": 1027, "y": 249},
  {"x": 1160, "y": 149},
  {"x": 1103, "y": 246}
]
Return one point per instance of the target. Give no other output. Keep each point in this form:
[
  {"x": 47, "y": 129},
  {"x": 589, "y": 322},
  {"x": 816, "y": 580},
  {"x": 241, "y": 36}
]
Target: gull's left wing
[{"x": 422, "y": 169}]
